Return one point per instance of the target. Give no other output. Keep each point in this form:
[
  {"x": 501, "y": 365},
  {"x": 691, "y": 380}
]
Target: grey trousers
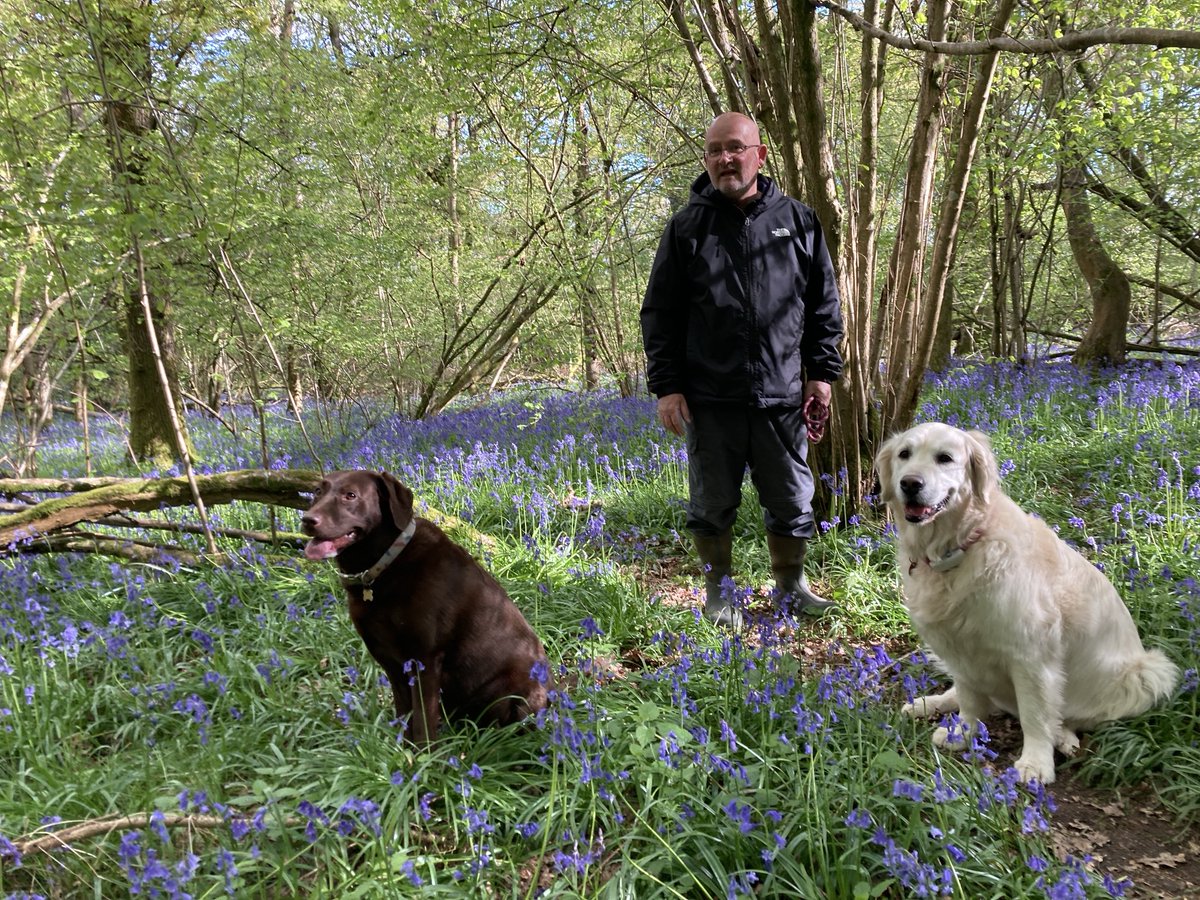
[{"x": 722, "y": 440}]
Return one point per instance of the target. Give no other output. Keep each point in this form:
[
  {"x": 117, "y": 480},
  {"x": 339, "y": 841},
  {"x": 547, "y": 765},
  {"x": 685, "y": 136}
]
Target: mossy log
[
  {"x": 96, "y": 499},
  {"x": 52, "y": 526}
]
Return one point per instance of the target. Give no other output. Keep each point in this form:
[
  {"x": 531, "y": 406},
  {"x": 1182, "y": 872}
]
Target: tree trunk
[
  {"x": 900, "y": 302},
  {"x": 123, "y": 60},
  {"x": 943, "y": 337},
  {"x": 1104, "y": 341},
  {"x": 931, "y": 308},
  {"x": 1018, "y": 340},
  {"x": 589, "y": 296},
  {"x": 151, "y": 432}
]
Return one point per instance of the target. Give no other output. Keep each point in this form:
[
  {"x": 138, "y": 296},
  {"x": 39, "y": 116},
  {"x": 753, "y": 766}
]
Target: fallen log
[
  {"x": 51, "y": 526},
  {"x": 282, "y": 487}
]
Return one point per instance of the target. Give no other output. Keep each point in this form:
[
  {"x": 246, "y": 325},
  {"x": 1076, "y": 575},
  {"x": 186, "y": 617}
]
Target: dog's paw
[
  {"x": 1067, "y": 742},
  {"x": 1033, "y": 767},
  {"x": 922, "y": 707},
  {"x": 947, "y": 739}
]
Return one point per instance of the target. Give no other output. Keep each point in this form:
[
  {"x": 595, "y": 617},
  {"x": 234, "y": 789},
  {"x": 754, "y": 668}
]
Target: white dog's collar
[{"x": 951, "y": 558}]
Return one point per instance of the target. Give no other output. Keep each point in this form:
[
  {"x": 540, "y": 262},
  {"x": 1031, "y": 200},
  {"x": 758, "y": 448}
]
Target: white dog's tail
[{"x": 1146, "y": 680}]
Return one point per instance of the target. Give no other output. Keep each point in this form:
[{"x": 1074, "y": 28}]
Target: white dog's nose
[{"x": 911, "y": 485}]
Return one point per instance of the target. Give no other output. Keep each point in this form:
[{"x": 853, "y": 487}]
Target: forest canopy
[{"x": 323, "y": 203}]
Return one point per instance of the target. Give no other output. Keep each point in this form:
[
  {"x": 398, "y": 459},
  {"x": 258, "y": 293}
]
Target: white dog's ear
[
  {"x": 981, "y": 465},
  {"x": 883, "y": 467}
]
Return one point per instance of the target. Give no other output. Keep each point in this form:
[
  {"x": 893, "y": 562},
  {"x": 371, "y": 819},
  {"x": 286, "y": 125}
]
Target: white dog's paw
[
  {"x": 916, "y": 709},
  {"x": 946, "y": 739},
  {"x": 1035, "y": 767},
  {"x": 1067, "y": 742},
  {"x": 930, "y": 705}
]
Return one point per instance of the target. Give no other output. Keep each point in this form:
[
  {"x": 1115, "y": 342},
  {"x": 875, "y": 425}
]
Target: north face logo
[{"x": 781, "y": 232}]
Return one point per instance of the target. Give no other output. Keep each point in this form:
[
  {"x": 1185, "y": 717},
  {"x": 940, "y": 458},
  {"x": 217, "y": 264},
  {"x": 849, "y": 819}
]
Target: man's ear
[{"x": 399, "y": 499}]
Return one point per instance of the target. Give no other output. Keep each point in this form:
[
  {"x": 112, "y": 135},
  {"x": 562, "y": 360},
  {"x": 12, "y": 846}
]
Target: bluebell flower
[{"x": 859, "y": 818}]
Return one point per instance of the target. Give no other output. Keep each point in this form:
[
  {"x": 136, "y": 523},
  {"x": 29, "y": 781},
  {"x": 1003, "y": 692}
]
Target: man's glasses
[{"x": 731, "y": 149}]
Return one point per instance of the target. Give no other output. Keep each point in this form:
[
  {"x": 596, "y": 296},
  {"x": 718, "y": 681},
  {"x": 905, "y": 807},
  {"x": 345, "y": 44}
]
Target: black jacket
[{"x": 742, "y": 305}]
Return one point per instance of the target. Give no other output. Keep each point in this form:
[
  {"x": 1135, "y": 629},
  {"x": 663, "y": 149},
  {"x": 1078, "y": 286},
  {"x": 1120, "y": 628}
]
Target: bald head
[
  {"x": 734, "y": 122},
  {"x": 733, "y": 154}
]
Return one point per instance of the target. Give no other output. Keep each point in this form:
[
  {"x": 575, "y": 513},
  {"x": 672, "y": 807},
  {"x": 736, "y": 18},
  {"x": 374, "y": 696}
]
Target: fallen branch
[
  {"x": 11, "y": 486},
  {"x": 1129, "y": 345},
  {"x": 123, "y": 521},
  {"x": 133, "y": 550},
  {"x": 51, "y": 525},
  {"x": 280, "y": 487},
  {"x": 108, "y": 824}
]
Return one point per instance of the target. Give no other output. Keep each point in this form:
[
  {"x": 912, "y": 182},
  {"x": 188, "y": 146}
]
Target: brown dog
[{"x": 443, "y": 629}]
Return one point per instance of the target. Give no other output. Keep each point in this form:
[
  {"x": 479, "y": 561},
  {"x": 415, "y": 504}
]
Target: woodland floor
[{"x": 1127, "y": 833}]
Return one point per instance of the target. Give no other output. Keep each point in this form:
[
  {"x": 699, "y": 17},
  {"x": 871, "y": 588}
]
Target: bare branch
[
  {"x": 281, "y": 487},
  {"x": 108, "y": 824},
  {"x": 1129, "y": 345},
  {"x": 1071, "y": 41}
]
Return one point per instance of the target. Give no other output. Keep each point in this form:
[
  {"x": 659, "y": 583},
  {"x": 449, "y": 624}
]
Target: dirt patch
[{"x": 1128, "y": 834}]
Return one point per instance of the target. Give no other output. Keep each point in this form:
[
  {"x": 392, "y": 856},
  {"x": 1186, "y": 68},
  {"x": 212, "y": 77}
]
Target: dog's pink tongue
[
  {"x": 316, "y": 549},
  {"x": 916, "y": 511}
]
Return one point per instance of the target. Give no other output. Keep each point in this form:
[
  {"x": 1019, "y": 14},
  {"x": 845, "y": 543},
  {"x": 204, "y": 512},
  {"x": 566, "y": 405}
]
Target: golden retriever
[{"x": 1020, "y": 621}]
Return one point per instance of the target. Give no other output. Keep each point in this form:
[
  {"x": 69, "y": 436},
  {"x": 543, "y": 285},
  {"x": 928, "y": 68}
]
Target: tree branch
[
  {"x": 108, "y": 824},
  {"x": 1129, "y": 345},
  {"x": 1071, "y": 41},
  {"x": 280, "y": 487}
]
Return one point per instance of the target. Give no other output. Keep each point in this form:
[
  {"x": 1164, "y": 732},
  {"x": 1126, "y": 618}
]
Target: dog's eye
[
  {"x": 905, "y": 453},
  {"x": 945, "y": 458},
  {"x": 350, "y": 495}
]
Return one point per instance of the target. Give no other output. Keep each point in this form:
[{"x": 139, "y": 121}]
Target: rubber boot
[
  {"x": 787, "y": 562},
  {"x": 716, "y": 558}
]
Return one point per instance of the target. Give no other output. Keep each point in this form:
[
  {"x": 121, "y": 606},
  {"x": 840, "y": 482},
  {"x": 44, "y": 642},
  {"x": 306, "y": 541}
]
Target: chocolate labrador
[{"x": 444, "y": 630}]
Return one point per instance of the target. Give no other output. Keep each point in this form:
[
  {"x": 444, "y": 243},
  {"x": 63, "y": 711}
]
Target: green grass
[{"x": 680, "y": 762}]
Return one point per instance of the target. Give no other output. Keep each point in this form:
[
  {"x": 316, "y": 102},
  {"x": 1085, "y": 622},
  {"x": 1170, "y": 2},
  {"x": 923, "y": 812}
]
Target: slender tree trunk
[
  {"x": 929, "y": 312},
  {"x": 589, "y": 296},
  {"x": 1104, "y": 341},
  {"x": 943, "y": 337},
  {"x": 291, "y": 199},
  {"x": 1014, "y": 275},
  {"x": 900, "y": 302},
  {"x": 123, "y": 56}
]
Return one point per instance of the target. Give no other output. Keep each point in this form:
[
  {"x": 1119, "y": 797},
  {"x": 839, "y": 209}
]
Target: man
[{"x": 741, "y": 324}]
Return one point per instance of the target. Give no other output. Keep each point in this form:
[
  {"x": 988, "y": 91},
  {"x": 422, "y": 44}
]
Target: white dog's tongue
[
  {"x": 914, "y": 512},
  {"x": 316, "y": 549}
]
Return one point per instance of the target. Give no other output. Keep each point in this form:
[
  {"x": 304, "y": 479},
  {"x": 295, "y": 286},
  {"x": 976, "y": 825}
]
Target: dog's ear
[
  {"x": 981, "y": 465},
  {"x": 399, "y": 499},
  {"x": 883, "y": 467}
]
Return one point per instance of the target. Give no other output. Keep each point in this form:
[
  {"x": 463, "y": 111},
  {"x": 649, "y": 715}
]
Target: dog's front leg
[
  {"x": 1039, "y": 707},
  {"x": 972, "y": 706},
  {"x": 931, "y": 705},
  {"x": 426, "y": 700}
]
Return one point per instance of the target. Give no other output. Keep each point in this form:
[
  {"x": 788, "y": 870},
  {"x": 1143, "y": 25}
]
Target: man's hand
[
  {"x": 817, "y": 395},
  {"x": 820, "y": 389},
  {"x": 673, "y": 412}
]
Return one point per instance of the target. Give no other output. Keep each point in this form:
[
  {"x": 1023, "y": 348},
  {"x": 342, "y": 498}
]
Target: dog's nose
[
  {"x": 308, "y": 520},
  {"x": 911, "y": 485}
]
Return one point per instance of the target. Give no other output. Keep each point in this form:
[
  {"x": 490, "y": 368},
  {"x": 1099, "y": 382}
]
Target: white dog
[{"x": 1020, "y": 621}]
